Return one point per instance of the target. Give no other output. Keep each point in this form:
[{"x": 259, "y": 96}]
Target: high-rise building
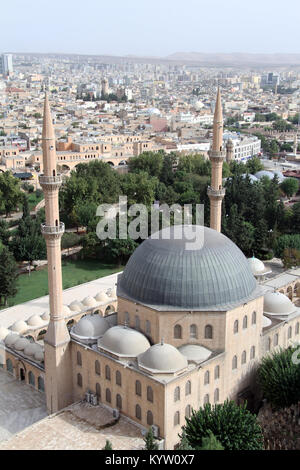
[{"x": 6, "y": 64}]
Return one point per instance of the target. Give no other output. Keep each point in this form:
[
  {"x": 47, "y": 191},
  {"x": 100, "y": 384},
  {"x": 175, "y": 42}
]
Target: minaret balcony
[
  {"x": 53, "y": 229},
  {"x": 217, "y": 193},
  {"x": 219, "y": 154},
  {"x": 50, "y": 180}
]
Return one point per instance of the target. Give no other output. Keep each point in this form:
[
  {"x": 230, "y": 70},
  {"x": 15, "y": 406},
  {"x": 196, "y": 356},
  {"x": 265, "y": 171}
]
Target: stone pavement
[
  {"x": 80, "y": 426},
  {"x": 20, "y": 405}
]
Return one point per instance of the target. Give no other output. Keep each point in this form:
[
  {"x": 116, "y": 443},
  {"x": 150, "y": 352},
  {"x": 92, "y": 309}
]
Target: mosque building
[{"x": 184, "y": 327}]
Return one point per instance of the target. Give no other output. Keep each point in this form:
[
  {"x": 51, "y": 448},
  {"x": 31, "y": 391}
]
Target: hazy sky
[{"x": 149, "y": 27}]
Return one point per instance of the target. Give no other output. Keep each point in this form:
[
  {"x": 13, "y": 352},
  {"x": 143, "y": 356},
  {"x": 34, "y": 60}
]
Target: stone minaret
[
  {"x": 58, "y": 364},
  {"x": 216, "y": 155},
  {"x": 295, "y": 144},
  {"x": 229, "y": 151}
]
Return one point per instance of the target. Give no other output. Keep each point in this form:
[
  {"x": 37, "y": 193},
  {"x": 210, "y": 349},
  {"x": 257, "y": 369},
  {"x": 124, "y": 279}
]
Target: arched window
[
  {"x": 188, "y": 387},
  {"x": 244, "y": 357},
  {"x": 177, "y": 332},
  {"x": 137, "y": 322},
  {"x": 118, "y": 378},
  {"x": 9, "y": 366},
  {"x": 97, "y": 368},
  {"x": 177, "y": 394},
  {"x": 188, "y": 411},
  {"x": 252, "y": 352},
  {"x": 234, "y": 362},
  {"x": 108, "y": 395},
  {"x": 79, "y": 359},
  {"x": 208, "y": 332},
  {"x": 245, "y": 322},
  {"x": 149, "y": 418},
  {"x": 176, "y": 418},
  {"x": 79, "y": 380},
  {"x": 98, "y": 391},
  {"x": 254, "y": 318},
  {"x": 138, "y": 388},
  {"x": 148, "y": 327},
  {"x": 150, "y": 394},
  {"x": 107, "y": 372},
  {"x": 31, "y": 378},
  {"x": 119, "y": 402},
  {"x": 206, "y": 377},
  {"x": 297, "y": 328},
  {"x": 269, "y": 343},
  {"x": 41, "y": 384},
  {"x": 289, "y": 332},
  {"x": 206, "y": 399},
  {"x": 236, "y": 327},
  {"x": 216, "y": 395},
  {"x": 276, "y": 339},
  {"x": 193, "y": 331},
  {"x": 138, "y": 412},
  {"x": 217, "y": 372}
]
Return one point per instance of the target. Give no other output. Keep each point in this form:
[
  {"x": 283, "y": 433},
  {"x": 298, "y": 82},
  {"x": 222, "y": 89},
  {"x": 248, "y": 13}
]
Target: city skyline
[{"x": 156, "y": 29}]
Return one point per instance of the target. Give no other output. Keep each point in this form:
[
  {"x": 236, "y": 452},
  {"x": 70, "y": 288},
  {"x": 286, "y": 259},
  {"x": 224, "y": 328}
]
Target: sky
[{"x": 150, "y": 27}]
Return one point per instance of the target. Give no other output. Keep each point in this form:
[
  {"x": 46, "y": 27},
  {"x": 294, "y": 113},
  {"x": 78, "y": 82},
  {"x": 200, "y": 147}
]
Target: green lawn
[
  {"x": 33, "y": 200},
  {"x": 74, "y": 273}
]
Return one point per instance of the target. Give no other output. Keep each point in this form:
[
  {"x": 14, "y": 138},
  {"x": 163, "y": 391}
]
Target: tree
[
  {"x": 149, "y": 440},
  {"x": 211, "y": 443},
  {"x": 232, "y": 425},
  {"x": 4, "y": 232},
  {"x": 108, "y": 445},
  {"x": 289, "y": 186},
  {"x": 119, "y": 250},
  {"x": 8, "y": 275},
  {"x": 10, "y": 192},
  {"x": 286, "y": 241},
  {"x": 254, "y": 165},
  {"x": 184, "y": 444},
  {"x": 279, "y": 378},
  {"x": 291, "y": 258}
]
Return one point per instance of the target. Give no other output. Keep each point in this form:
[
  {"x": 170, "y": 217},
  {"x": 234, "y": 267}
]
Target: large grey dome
[{"x": 173, "y": 274}]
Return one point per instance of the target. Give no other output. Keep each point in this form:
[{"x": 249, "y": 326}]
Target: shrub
[
  {"x": 232, "y": 425},
  {"x": 279, "y": 378}
]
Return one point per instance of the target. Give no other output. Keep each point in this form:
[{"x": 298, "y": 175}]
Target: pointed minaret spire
[
  {"x": 216, "y": 154},
  {"x": 58, "y": 363}
]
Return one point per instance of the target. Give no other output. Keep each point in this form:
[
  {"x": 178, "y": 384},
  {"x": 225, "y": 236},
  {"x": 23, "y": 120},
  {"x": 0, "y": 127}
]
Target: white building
[{"x": 244, "y": 147}]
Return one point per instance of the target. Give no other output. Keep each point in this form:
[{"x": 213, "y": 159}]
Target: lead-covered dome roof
[{"x": 177, "y": 273}]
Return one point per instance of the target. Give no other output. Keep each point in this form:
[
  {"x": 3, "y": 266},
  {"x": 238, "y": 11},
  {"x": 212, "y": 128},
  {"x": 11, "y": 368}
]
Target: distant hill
[{"x": 236, "y": 58}]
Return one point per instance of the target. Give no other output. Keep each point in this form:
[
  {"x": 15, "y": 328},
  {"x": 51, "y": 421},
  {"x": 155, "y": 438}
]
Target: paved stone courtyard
[
  {"x": 20, "y": 405},
  {"x": 78, "y": 427}
]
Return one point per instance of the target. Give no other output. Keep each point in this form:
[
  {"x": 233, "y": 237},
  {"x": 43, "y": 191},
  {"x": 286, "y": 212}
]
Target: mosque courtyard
[{"x": 20, "y": 405}]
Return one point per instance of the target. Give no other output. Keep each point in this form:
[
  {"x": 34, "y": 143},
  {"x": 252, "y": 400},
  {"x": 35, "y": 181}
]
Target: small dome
[
  {"x": 269, "y": 174},
  {"x": 45, "y": 316},
  {"x": 101, "y": 297},
  {"x": 257, "y": 266},
  {"x": 11, "y": 339},
  {"x": 195, "y": 352},
  {"x": 276, "y": 303},
  {"x": 91, "y": 326},
  {"x": 39, "y": 355},
  {"x": 3, "y": 332},
  {"x": 124, "y": 341},
  {"x": 66, "y": 310},
  {"x": 162, "y": 358},
  {"x": 76, "y": 306},
  {"x": 111, "y": 292},
  {"x": 19, "y": 327},
  {"x": 31, "y": 349},
  {"x": 89, "y": 301},
  {"x": 266, "y": 322},
  {"x": 35, "y": 320},
  {"x": 21, "y": 344}
]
